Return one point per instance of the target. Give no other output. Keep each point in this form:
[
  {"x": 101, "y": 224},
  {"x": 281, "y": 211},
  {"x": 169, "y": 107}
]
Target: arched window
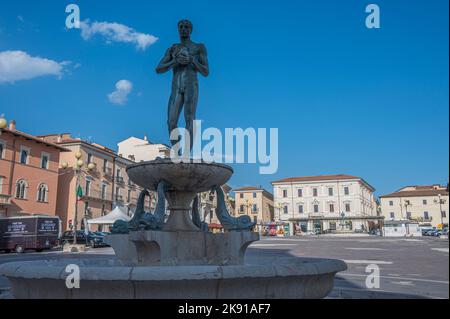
[
  {"x": 42, "y": 193},
  {"x": 21, "y": 189}
]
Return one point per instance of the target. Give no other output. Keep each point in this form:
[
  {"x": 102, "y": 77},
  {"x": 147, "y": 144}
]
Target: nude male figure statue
[{"x": 186, "y": 59}]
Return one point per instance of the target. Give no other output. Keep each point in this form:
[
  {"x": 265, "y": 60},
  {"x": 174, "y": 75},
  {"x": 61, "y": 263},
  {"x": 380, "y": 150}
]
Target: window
[
  {"x": 2, "y": 147},
  {"x": 285, "y": 209},
  {"x": 24, "y": 154},
  {"x": 425, "y": 215},
  {"x": 87, "y": 188},
  {"x": 408, "y": 215},
  {"x": 129, "y": 196},
  {"x": 443, "y": 214},
  {"x": 300, "y": 209},
  {"x": 315, "y": 192},
  {"x": 392, "y": 215},
  {"x": 424, "y": 202},
  {"x": 241, "y": 195},
  {"x": 330, "y": 191},
  {"x": 254, "y": 208},
  {"x": 21, "y": 189},
  {"x": 284, "y": 193},
  {"x": 118, "y": 173},
  {"x": 86, "y": 208},
  {"x": 42, "y": 193},
  {"x": 391, "y": 203},
  {"x": 105, "y": 165},
  {"x": 346, "y": 190},
  {"x": 332, "y": 225},
  {"x": 347, "y": 207},
  {"x": 44, "y": 160},
  {"x": 331, "y": 208},
  {"x": 89, "y": 158},
  {"x": 254, "y": 194},
  {"x": 104, "y": 188},
  {"x": 118, "y": 194},
  {"x": 2, "y": 178},
  {"x": 241, "y": 208},
  {"x": 316, "y": 208},
  {"x": 300, "y": 193}
]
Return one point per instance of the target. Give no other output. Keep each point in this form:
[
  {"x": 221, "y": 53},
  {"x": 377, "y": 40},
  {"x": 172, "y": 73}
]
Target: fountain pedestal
[{"x": 181, "y": 248}]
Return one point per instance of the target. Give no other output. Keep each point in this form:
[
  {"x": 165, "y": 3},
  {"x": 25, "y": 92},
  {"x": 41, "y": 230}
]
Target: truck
[{"x": 29, "y": 232}]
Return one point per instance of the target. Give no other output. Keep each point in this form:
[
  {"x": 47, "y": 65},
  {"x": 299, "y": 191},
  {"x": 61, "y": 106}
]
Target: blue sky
[{"x": 346, "y": 99}]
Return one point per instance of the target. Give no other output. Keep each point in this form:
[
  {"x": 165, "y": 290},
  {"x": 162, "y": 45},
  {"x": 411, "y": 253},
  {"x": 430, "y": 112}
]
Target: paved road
[{"x": 407, "y": 266}]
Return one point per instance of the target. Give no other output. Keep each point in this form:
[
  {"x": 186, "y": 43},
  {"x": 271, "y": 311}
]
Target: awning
[{"x": 116, "y": 214}]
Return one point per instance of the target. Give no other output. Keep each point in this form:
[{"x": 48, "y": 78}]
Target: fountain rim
[{"x": 168, "y": 161}]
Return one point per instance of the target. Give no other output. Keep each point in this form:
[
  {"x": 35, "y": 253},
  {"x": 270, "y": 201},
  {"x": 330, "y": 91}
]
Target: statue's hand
[{"x": 183, "y": 58}]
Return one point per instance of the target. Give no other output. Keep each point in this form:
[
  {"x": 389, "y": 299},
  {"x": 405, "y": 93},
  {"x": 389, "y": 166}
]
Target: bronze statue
[{"x": 186, "y": 59}]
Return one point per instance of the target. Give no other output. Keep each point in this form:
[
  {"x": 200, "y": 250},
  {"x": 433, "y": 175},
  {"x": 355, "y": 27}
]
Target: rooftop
[
  {"x": 316, "y": 178},
  {"x": 417, "y": 193},
  {"x": 33, "y": 138}
]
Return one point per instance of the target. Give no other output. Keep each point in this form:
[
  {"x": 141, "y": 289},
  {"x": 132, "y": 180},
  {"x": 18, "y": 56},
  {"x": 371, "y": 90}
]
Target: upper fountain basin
[{"x": 194, "y": 177}]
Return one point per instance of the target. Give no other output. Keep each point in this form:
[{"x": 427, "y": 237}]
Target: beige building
[
  {"x": 255, "y": 202},
  {"x": 425, "y": 204},
  {"x": 102, "y": 178},
  {"x": 325, "y": 203},
  {"x": 142, "y": 150}
]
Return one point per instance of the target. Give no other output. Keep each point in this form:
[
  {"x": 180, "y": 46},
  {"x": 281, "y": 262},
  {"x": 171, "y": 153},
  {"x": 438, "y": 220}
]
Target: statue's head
[{"x": 185, "y": 28}]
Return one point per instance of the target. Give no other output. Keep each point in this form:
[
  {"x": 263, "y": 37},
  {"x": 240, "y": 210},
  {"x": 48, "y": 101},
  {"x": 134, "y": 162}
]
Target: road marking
[
  {"x": 403, "y": 283},
  {"x": 397, "y": 278},
  {"x": 367, "y": 248},
  {"x": 379, "y": 262},
  {"x": 395, "y": 275},
  {"x": 271, "y": 245},
  {"x": 444, "y": 250}
]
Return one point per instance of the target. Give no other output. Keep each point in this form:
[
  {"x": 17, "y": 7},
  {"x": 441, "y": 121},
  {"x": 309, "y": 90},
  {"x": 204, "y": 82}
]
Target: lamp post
[
  {"x": 440, "y": 201},
  {"x": 407, "y": 203},
  {"x": 78, "y": 171}
]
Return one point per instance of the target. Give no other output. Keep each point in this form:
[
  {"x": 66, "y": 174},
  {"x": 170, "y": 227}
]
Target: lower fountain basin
[{"x": 106, "y": 278}]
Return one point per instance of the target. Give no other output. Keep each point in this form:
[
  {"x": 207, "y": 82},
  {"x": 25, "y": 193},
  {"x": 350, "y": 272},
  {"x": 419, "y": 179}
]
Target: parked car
[
  {"x": 91, "y": 239},
  {"x": 29, "y": 232}
]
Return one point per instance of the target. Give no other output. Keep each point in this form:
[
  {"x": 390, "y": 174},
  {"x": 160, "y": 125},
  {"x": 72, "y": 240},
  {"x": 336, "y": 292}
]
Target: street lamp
[
  {"x": 440, "y": 202},
  {"x": 342, "y": 220},
  {"x": 407, "y": 203},
  {"x": 79, "y": 163}
]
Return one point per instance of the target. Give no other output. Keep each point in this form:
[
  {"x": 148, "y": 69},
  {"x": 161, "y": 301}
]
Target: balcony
[
  {"x": 120, "y": 180},
  {"x": 5, "y": 199},
  {"x": 119, "y": 198},
  {"x": 97, "y": 196},
  {"x": 107, "y": 172}
]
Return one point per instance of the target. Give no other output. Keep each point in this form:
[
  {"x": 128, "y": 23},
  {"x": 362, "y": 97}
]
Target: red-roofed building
[
  {"x": 325, "y": 203},
  {"x": 28, "y": 174},
  {"x": 427, "y": 204}
]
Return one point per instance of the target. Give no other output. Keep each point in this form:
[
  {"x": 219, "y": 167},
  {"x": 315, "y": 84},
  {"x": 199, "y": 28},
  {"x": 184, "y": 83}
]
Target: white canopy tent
[{"x": 109, "y": 219}]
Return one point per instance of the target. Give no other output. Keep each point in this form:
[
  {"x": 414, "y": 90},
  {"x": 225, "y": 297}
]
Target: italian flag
[{"x": 79, "y": 193}]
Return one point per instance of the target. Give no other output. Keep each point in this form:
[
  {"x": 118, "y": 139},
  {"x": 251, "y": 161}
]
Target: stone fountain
[{"x": 177, "y": 257}]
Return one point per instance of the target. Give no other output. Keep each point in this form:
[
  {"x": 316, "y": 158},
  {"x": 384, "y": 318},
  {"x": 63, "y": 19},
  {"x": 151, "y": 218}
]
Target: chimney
[{"x": 12, "y": 125}]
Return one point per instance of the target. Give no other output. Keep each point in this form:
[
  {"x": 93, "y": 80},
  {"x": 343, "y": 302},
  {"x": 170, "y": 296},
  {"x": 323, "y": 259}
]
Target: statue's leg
[
  {"x": 174, "y": 110},
  {"x": 190, "y": 108}
]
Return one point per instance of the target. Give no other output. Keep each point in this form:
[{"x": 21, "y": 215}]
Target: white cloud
[
  {"x": 116, "y": 32},
  {"x": 19, "y": 65},
  {"x": 120, "y": 95}
]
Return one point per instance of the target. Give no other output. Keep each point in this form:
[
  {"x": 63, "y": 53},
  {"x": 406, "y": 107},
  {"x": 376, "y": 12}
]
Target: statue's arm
[
  {"x": 166, "y": 63},
  {"x": 201, "y": 63}
]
